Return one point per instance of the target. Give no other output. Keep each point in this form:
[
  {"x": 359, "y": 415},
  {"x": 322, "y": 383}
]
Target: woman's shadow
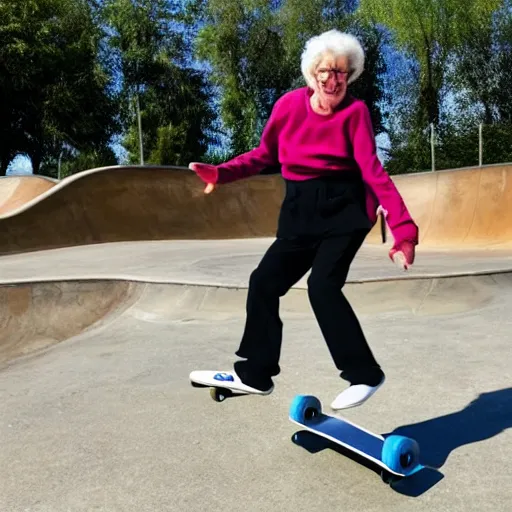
[{"x": 485, "y": 417}]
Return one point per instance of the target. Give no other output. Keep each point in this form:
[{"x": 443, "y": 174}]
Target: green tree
[
  {"x": 158, "y": 87},
  {"x": 176, "y": 118},
  {"x": 56, "y": 90},
  {"x": 428, "y": 31},
  {"x": 428, "y": 35},
  {"x": 253, "y": 49},
  {"x": 482, "y": 73},
  {"x": 240, "y": 44},
  {"x": 71, "y": 161}
]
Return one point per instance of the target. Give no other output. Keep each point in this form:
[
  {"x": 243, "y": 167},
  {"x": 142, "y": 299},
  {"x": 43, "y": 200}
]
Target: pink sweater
[{"x": 307, "y": 144}]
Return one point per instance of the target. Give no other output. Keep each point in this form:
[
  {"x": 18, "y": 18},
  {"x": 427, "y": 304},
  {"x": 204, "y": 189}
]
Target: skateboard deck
[
  {"x": 397, "y": 456},
  {"x": 220, "y": 389}
]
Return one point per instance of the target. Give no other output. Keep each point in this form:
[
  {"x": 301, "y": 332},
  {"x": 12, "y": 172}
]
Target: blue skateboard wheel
[
  {"x": 304, "y": 408},
  {"x": 400, "y": 454}
]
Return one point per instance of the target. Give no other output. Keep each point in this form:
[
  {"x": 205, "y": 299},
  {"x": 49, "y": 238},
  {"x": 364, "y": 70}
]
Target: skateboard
[
  {"x": 397, "y": 456},
  {"x": 219, "y": 392}
]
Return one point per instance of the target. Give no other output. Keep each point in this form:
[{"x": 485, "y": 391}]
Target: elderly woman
[{"x": 322, "y": 138}]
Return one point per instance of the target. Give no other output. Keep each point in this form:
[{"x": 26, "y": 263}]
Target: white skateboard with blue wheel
[
  {"x": 223, "y": 385},
  {"x": 218, "y": 392},
  {"x": 397, "y": 456}
]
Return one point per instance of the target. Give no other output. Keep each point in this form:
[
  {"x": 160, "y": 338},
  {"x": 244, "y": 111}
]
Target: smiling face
[{"x": 331, "y": 76}]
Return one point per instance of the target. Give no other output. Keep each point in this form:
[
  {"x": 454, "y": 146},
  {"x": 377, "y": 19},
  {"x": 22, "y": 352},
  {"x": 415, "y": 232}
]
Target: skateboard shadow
[
  {"x": 485, "y": 417},
  {"x": 414, "y": 486}
]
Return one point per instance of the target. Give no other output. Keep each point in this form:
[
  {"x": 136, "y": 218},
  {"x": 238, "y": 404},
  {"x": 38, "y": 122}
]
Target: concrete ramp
[
  {"x": 16, "y": 191},
  {"x": 35, "y": 316},
  {"x": 140, "y": 203},
  {"x": 460, "y": 208},
  {"x": 457, "y": 209}
]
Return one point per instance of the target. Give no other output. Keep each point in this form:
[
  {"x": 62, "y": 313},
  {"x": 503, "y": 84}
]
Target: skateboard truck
[{"x": 219, "y": 394}]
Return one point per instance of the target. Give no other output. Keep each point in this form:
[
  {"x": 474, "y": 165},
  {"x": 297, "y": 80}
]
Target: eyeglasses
[{"x": 324, "y": 74}]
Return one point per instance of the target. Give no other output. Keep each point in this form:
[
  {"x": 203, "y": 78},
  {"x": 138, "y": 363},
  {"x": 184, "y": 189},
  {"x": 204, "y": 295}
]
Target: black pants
[{"x": 322, "y": 225}]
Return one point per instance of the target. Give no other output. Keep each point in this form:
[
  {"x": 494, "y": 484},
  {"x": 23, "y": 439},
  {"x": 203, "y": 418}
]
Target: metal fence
[{"x": 433, "y": 141}]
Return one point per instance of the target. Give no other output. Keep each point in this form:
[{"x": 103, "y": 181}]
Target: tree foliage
[
  {"x": 173, "y": 97},
  {"x": 206, "y": 74},
  {"x": 176, "y": 119},
  {"x": 253, "y": 49},
  {"x": 240, "y": 44},
  {"x": 428, "y": 31},
  {"x": 482, "y": 71},
  {"x": 450, "y": 54},
  {"x": 57, "y": 92}
]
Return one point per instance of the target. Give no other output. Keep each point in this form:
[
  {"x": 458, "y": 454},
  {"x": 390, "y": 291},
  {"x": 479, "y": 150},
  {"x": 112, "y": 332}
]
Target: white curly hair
[{"x": 339, "y": 44}]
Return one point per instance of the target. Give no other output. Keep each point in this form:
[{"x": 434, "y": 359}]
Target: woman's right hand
[
  {"x": 207, "y": 172},
  {"x": 403, "y": 254}
]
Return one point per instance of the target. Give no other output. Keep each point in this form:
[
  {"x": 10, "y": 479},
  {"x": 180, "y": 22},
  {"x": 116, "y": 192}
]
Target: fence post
[
  {"x": 432, "y": 150},
  {"x": 59, "y": 165},
  {"x": 139, "y": 123},
  {"x": 480, "y": 145}
]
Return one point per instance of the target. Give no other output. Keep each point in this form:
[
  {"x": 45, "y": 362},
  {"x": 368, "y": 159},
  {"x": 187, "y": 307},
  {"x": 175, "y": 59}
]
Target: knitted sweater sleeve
[
  {"x": 365, "y": 153},
  {"x": 254, "y": 161}
]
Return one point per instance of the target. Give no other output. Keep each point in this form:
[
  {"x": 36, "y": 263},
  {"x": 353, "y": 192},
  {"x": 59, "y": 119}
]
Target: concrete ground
[
  {"x": 106, "y": 419},
  {"x": 226, "y": 263}
]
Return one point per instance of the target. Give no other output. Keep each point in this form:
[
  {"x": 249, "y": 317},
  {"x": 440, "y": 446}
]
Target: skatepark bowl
[{"x": 116, "y": 283}]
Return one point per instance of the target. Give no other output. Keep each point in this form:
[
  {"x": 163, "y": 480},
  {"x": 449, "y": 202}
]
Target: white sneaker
[
  {"x": 354, "y": 395},
  {"x": 227, "y": 380}
]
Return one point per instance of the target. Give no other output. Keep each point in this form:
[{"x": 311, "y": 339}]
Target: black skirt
[{"x": 322, "y": 207}]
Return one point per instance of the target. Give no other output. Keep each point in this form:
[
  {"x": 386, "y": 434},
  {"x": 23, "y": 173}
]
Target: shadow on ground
[{"x": 485, "y": 417}]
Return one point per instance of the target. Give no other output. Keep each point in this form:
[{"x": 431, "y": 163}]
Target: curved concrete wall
[
  {"x": 15, "y": 191},
  {"x": 452, "y": 208},
  {"x": 462, "y": 207}
]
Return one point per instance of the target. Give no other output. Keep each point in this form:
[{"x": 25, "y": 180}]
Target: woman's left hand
[
  {"x": 207, "y": 172},
  {"x": 403, "y": 254}
]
